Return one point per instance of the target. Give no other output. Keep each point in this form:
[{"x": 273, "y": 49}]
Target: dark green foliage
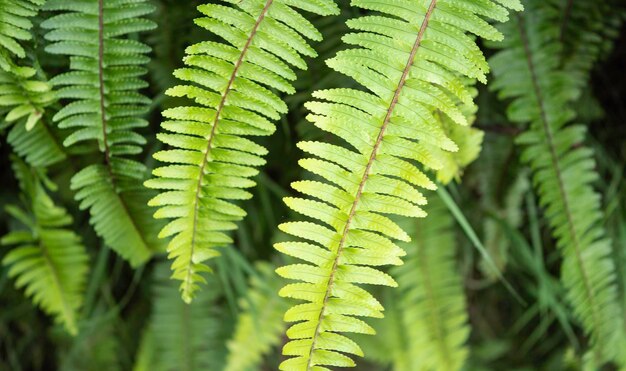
[
  {"x": 528, "y": 70},
  {"x": 105, "y": 107},
  {"x": 47, "y": 259},
  {"x": 95, "y": 95}
]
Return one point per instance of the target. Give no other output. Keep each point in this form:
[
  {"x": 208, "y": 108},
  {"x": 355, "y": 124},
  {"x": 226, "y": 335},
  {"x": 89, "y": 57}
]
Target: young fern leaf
[
  {"x": 527, "y": 71},
  {"x": 259, "y": 326},
  {"x": 212, "y": 161},
  {"x": 49, "y": 260},
  {"x": 409, "y": 58},
  {"x": 15, "y": 27},
  {"x": 27, "y": 98},
  {"x": 432, "y": 301},
  {"x": 106, "y": 108}
]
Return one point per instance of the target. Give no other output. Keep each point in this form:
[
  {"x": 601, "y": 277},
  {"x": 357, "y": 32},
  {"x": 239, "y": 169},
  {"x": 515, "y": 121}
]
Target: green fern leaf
[
  {"x": 259, "y": 326},
  {"x": 426, "y": 323},
  {"x": 212, "y": 162},
  {"x": 49, "y": 260},
  {"x": 527, "y": 71},
  {"x": 408, "y": 58},
  {"x": 432, "y": 300},
  {"x": 26, "y": 99},
  {"x": 24, "y": 96},
  {"x": 468, "y": 139},
  {"x": 15, "y": 27},
  {"x": 105, "y": 107}
]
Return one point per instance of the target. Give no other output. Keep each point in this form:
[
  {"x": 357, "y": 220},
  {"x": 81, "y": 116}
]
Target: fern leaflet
[
  {"x": 212, "y": 162},
  {"x": 26, "y": 99},
  {"x": 21, "y": 93},
  {"x": 106, "y": 108},
  {"x": 409, "y": 59},
  {"x": 15, "y": 27},
  {"x": 49, "y": 260},
  {"x": 527, "y": 71}
]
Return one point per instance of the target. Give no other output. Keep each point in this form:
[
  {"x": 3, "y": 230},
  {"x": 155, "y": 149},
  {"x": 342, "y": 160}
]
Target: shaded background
[{"x": 125, "y": 310}]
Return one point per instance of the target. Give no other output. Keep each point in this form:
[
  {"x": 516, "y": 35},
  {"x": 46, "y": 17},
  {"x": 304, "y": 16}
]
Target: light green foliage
[
  {"x": 426, "y": 321},
  {"x": 26, "y": 99},
  {"x": 212, "y": 162},
  {"x": 468, "y": 139},
  {"x": 432, "y": 301},
  {"x": 410, "y": 59},
  {"x": 15, "y": 28},
  {"x": 48, "y": 259},
  {"x": 24, "y": 95},
  {"x": 527, "y": 71},
  {"x": 186, "y": 337},
  {"x": 260, "y": 326},
  {"x": 105, "y": 107}
]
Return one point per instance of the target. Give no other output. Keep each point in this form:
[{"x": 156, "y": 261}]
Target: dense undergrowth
[{"x": 309, "y": 185}]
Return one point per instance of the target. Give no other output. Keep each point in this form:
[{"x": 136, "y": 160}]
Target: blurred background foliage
[{"x": 135, "y": 320}]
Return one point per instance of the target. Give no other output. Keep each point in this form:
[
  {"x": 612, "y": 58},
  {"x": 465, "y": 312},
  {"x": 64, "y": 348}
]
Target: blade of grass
[{"x": 473, "y": 237}]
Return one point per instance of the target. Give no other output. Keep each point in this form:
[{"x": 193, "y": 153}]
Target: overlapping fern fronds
[
  {"x": 187, "y": 336},
  {"x": 432, "y": 302},
  {"x": 105, "y": 107},
  {"x": 26, "y": 99},
  {"x": 426, "y": 321},
  {"x": 409, "y": 58},
  {"x": 212, "y": 161},
  {"x": 48, "y": 259},
  {"x": 260, "y": 326},
  {"x": 15, "y": 28},
  {"x": 24, "y": 95},
  {"x": 527, "y": 70},
  {"x": 467, "y": 138}
]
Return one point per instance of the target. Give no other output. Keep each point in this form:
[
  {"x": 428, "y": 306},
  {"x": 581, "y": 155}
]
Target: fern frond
[
  {"x": 587, "y": 32},
  {"x": 26, "y": 99},
  {"x": 105, "y": 107},
  {"x": 409, "y": 59},
  {"x": 527, "y": 71},
  {"x": 187, "y": 336},
  {"x": 426, "y": 323},
  {"x": 432, "y": 300},
  {"x": 48, "y": 260},
  {"x": 23, "y": 95},
  {"x": 15, "y": 28},
  {"x": 212, "y": 162},
  {"x": 259, "y": 326}
]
